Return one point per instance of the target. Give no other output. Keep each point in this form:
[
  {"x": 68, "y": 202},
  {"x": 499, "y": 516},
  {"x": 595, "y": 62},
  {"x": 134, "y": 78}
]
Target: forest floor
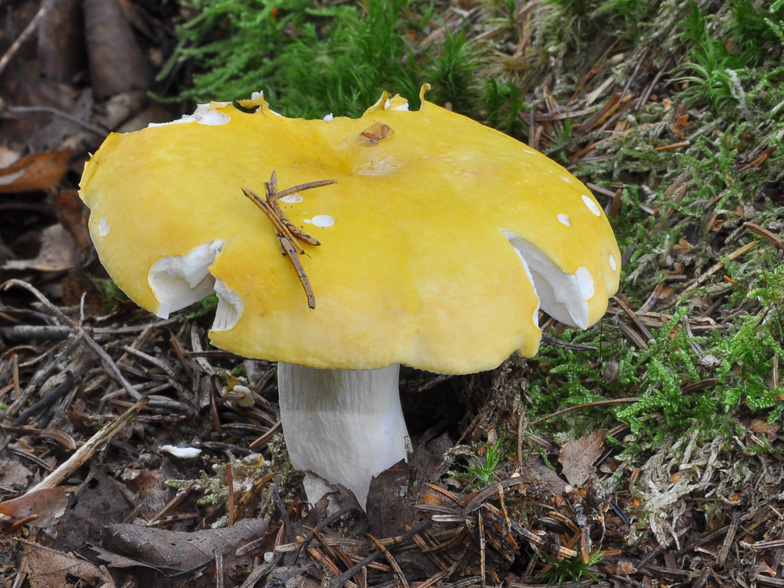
[{"x": 645, "y": 451}]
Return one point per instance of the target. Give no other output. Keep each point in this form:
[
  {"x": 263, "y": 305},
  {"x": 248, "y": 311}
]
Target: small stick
[
  {"x": 26, "y": 34},
  {"x": 273, "y": 196},
  {"x": 305, "y": 186},
  {"x": 178, "y": 498},
  {"x": 716, "y": 267},
  {"x": 281, "y": 229},
  {"x": 482, "y": 545},
  {"x": 392, "y": 561},
  {"x": 289, "y": 229},
  {"x": 340, "y": 581},
  {"x": 287, "y": 233},
  {"x": 289, "y": 248},
  {"x": 86, "y": 451},
  {"x": 230, "y": 484},
  {"x": 724, "y": 551}
]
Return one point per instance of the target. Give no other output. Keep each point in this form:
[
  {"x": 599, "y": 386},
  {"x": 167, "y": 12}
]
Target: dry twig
[
  {"x": 86, "y": 451},
  {"x": 288, "y": 234}
]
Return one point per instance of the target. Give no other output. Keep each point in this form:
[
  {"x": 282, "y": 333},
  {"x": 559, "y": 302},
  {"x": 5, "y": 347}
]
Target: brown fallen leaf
[
  {"x": 376, "y": 132},
  {"x": 72, "y": 214},
  {"x": 47, "y": 504},
  {"x": 78, "y": 287},
  {"x": 763, "y": 427},
  {"x": 58, "y": 253},
  {"x": 47, "y": 567},
  {"x": 577, "y": 457},
  {"x": 618, "y": 566},
  {"x": 14, "y": 475},
  {"x": 37, "y": 171}
]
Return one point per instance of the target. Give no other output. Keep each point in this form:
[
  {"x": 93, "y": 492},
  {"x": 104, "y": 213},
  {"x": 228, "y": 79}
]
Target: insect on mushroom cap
[{"x": 431, "y": 238}]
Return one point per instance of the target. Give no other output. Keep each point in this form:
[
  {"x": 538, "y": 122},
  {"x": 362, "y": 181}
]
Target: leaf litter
[{"x": 682, "y": 510}]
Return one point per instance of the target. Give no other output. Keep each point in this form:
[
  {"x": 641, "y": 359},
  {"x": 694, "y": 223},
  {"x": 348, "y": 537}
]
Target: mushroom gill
[
  {"x": 562, "y": 295},
  {"x": 178, "y": 281}
]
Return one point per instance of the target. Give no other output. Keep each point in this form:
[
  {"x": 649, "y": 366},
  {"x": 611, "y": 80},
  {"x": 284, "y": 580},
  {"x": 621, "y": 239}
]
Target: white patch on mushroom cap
[
  {"x": 591, "y": 205},
  {"x": 403, "y": 106},
  {"x": 376, "y": 167},
  {"x": 562, "y": 295},
  {"x": 585, "y": 282},
  {"x": 205, "y": 114},
  {"x": 564, "y": 220},
  {"x": 103, "y": 227},
  {"x": 292, "y": 198},
  {"x": 180, "y": 280},
  {"x": 323, "y": 220},
  {"x": 329, "y": 117},
  {"x": 613, "y": 264}
]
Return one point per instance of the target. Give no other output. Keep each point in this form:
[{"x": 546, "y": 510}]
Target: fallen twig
[{"x": 86, "y": 451}]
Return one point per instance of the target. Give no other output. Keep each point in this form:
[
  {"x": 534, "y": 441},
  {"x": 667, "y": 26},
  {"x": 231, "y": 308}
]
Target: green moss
[{"x": 312, "y": 61}]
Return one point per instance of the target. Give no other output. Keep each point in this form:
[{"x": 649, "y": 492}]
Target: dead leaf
[
  {"x": 37, "y": 171},
  {"x": 770, "y": 430},
  {"x": 54, "y": 434},
  {"x": 388, "y": 511},
  {"x": 760, "y": 568},
  {"x": 577, "y": 457},
  {"x": 47, "y": 504},
  {"x": 47, "y": 567},
  {"x": 58, "y": 253},
  {"x": 618, "y": 566},
  {"x": 13, "y": 475},
  {"x": 375, "y": 133},
  {"x": 77, "y": 286},
  {"x": 681, "y": 125},
  {"x": 73, "y": 215}
]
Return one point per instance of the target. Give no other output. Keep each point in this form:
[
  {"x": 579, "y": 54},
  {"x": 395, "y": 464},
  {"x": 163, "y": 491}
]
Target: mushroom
[{"x": 435, "y": 247}]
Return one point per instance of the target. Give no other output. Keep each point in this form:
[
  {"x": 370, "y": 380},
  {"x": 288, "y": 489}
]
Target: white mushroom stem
[{"x": 341, "y": 426}]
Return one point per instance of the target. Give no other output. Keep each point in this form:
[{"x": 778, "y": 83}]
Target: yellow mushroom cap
[{"x": 423, "y": 235}]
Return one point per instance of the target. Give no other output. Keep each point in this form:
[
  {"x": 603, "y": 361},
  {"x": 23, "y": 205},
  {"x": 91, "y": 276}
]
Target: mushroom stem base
[{"x": 341, "y": 426}]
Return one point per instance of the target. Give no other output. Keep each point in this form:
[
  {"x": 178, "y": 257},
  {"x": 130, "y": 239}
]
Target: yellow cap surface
[{"x": 414, "y": 266}]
